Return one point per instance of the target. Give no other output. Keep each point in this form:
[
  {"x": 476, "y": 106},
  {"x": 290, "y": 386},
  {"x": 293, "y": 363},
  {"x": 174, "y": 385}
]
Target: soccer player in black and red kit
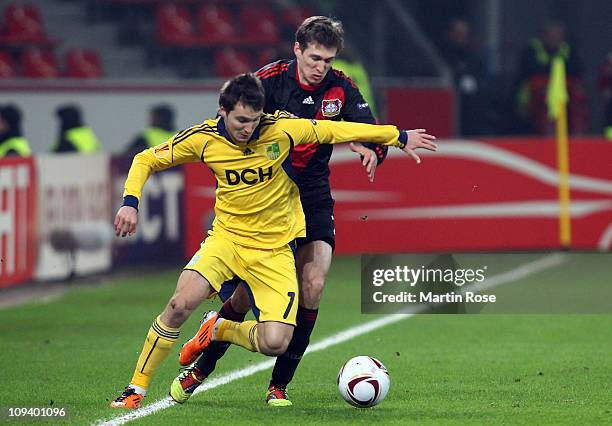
[{"x": 307, "y": 87}]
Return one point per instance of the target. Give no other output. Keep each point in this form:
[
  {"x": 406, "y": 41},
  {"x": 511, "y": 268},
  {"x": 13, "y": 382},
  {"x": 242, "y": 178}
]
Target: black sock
[
  {"x": 286, "y": 364},
  {"x": 208, "y": 360}
]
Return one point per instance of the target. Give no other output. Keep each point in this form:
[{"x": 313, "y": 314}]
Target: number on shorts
[{"x": 291, "y": 295}]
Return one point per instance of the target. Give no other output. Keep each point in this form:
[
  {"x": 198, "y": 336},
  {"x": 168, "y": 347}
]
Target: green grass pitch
[{"x": 78, "y": 352}]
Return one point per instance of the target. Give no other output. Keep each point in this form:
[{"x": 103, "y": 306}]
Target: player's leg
[
  {"x": 235, "y": 309},
  {"x": 313, "y": 259},
  {"x": 190, "y": 291},
  {"x": 272, "y": 288},
  {"x": 192, "y": 288},
  {"x": 268, "y": 338},
  {"x": 190, "y": 378},
  {"x": 273, "y": 293},
  {"x": 312, "y": 263}
]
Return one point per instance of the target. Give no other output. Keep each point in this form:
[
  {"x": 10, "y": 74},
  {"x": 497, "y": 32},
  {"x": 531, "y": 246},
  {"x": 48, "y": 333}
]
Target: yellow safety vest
[
  {"x": 18, "y": 144},
  {"x": 83, "y": 139},
  {"x": 154, "y": 136},
  {"x": 357, "y": 73},
  {"x": 542, "y": 54},
  {"x": 543, "y": 58}
]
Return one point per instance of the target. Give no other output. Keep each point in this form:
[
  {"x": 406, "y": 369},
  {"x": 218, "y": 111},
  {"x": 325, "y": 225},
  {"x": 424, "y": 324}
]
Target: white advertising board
[
  {"x": 116, "y": 113},
  {"x": 75, "y": 227}
]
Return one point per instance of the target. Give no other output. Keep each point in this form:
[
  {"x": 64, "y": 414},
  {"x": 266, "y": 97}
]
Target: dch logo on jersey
[
  {"x": 273, "y": 151},
  {"x": 331, "y": 107},
  {"x": 248, "y": 176}
]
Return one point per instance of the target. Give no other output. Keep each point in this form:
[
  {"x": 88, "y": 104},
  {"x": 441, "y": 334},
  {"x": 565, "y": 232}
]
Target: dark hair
[
  {"x": 11, "y": 114},
  {"x": 244, "y": 88},
  {"x": 70, "y": 116},
  {"x": 322, "y": 30},
  {"x": 162, "y": 115}
]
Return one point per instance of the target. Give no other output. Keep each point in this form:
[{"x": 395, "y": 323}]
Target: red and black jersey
[{"x": 336, "y": 98}]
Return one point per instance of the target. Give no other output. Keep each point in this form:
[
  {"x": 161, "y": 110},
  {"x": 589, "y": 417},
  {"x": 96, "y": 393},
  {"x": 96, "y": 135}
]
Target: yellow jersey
[{"x": 257, "y": 201}]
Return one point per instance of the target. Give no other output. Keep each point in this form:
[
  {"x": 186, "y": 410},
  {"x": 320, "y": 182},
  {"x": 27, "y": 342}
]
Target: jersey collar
[{"x": 223, "y": 131}]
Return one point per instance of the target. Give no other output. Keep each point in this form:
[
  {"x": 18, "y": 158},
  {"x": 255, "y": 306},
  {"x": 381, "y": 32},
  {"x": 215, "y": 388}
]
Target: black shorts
[{"x": 319, "y": 223}]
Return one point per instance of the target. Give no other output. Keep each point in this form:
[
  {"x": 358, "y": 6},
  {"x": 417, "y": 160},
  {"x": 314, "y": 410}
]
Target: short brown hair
[
  {"x": 245, "y": 88},
  {"x": 322, "y": 30}
]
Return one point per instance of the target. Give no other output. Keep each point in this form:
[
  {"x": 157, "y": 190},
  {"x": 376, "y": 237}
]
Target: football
[{"x": 363, "y": 381}]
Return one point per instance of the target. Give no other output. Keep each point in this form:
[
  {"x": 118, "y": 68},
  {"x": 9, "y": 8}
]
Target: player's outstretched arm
[
  {"x": 419, "y": 139},
  {"x": 333, "y": 132},
  {"x": 126, "y": 221}
]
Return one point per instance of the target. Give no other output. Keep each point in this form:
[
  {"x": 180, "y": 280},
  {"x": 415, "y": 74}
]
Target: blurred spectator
[
  {"x": 12, "y": 141},
  {"x": 350, "y": 64},
  {"x": 605, "y": 84},
  {"x": 533, "y": 75},
  {"x": 466, "y": 65},
  {"x": 74, "y": 136},
  {"x": 161, "y": 128}
]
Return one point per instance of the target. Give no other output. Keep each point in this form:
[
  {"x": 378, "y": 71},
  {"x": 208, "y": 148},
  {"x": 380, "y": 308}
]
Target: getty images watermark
[
  {"x": 506, "y": 283},
  {"x": 410, "y": 278}
]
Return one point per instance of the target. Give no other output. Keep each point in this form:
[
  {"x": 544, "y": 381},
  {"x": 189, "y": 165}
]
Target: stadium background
[
  {"x": 495, "y": 189},
  {"x": 142, "y": 62}
]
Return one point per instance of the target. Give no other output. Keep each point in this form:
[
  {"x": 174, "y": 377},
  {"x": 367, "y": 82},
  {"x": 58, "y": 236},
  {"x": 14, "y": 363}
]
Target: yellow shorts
[{"x": 270, "y": 274}]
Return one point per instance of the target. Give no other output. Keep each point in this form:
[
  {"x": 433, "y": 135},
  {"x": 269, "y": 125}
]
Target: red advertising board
[
  {"x": 199, "y": 205},
  {"x": 473, "y": 196},
  {"x": 18, "y": 230},
  {"x": 468, "y": 196}
]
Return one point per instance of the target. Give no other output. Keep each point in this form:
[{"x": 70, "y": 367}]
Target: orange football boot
[
  {"x": 128, "y": 399},
  {"x": 194, "y": 346}
]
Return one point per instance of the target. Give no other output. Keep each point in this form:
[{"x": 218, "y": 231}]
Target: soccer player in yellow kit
[{"x": 258, "y": 216}]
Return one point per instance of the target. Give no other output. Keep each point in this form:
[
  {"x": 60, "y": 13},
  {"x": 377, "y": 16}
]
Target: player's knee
[
  {"x": 178, "y": 309},
  {"x": 274, "y": 347},
  {"x": 274, "y": 344}
]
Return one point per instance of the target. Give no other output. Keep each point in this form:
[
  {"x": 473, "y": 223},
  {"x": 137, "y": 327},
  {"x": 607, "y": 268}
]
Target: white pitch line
[{"x": 517, "y": 273}]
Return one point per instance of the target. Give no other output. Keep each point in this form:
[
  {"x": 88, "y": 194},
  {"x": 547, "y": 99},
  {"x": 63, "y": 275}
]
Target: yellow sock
[
  {"x": 157, "y": 346},
  {"x": 239, "y": 333}
]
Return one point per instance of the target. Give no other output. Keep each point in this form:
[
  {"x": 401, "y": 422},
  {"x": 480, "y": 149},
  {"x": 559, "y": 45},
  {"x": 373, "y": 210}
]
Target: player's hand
[
  {"x": 368, "y": 158},
  {"x": 419, "y": 139},
  {"x": 125, "y": 221}
]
